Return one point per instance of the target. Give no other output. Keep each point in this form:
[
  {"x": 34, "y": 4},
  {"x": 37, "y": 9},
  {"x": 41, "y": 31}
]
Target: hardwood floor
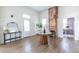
[{"x": 32, "y": 45}]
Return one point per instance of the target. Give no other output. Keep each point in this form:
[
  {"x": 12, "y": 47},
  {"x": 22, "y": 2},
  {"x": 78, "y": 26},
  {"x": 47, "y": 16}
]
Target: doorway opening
[{"x": 68, "y": 27}]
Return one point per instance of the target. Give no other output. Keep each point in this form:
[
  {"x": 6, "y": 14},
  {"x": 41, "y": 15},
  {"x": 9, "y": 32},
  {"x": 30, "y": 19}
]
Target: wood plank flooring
[{"x": 32, "y": 45}]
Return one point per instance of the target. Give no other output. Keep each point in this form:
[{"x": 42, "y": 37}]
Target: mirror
[{"x": 12, "y": 27}]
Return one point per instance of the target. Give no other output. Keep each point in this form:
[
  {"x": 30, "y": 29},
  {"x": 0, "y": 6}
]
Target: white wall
[
  {"x": 65, "y": 12},
  {"x": 17, "y": 11}
]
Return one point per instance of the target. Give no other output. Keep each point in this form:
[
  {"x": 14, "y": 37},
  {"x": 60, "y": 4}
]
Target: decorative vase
[{"x": 44, "y": 31}]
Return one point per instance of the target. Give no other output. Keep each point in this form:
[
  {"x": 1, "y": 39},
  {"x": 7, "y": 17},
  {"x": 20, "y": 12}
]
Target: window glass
[
  {"x": 44, "y": 22},
  {"x": 26, "y": 16},
  {"x": 26, "y": 25}
]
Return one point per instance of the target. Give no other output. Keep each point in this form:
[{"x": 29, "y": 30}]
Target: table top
[{"x": 44, "y": 34}]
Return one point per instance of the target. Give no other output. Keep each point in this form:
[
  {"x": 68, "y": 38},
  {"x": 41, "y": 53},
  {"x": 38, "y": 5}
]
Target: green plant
[{"x": 39, "y": 25}]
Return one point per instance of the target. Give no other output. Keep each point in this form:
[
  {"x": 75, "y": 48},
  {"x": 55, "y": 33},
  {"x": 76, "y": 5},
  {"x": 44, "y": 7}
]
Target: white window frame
[{"x": 27, "y": 18}]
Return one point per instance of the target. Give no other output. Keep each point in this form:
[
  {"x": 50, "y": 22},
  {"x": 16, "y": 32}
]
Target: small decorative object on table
[{"x": 44, "y": 31}]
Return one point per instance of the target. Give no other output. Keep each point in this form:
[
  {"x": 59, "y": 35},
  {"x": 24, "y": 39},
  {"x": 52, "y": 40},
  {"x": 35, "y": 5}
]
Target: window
[
  {"x": 44, "y": 22},
  {"x": 26, "y": 22},
  {"x": 26, "y": 25},
  {"x": 26, "y": 16}
]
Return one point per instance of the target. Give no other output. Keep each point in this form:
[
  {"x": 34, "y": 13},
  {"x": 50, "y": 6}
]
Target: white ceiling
[{"x": 39, "y": 8}]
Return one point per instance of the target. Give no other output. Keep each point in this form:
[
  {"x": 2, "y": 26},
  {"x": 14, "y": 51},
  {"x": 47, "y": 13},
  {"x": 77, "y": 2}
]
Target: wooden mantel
[{"x": 53, "y": 13}]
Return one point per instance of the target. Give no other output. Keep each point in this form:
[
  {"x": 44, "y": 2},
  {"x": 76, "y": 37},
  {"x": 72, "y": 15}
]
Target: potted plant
[{"x": 39, "y": 26}]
